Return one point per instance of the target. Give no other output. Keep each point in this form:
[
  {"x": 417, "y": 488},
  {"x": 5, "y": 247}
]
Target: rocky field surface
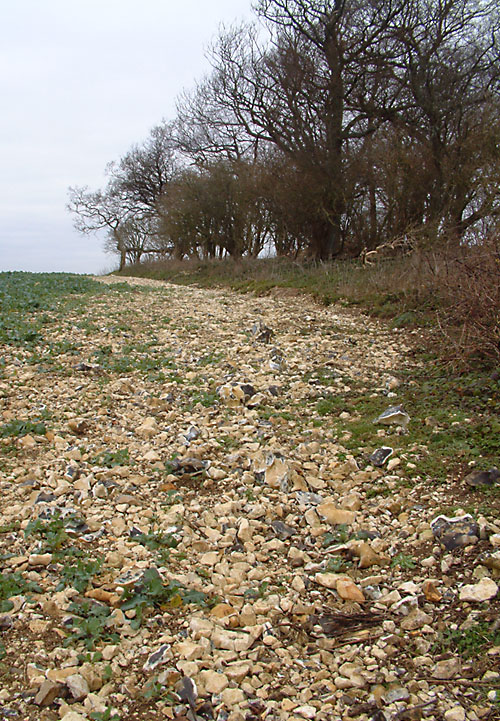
[{"x": 213, "y": 506}]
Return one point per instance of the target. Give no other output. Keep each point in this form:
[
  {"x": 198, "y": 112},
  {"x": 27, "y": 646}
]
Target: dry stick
[
  {"x": 406, "y": 710},
  {"x": 457, "y": 681}
]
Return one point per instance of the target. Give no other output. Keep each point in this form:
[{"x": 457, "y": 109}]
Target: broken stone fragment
[
  {"x": 366, "y": 554},
  {"x": 231, "y": 640},
  {"x": 272, "y": 469},
  {"x": 47, "y": 693},
  {"x": 379, "y": 457},
  {"x": 447, "y": 669},
  {"x": 282, "y": 530},
  {"x": 455, "y": 532},
  {"x": 148, "y": 428},
  {"x": 158, "y": 657},
  {"x": 335, "y": 516},
  {"x": 394, "y": 415},
  {"x": 483, "y": 478},
  {"x": 235, "y": 394},
  {"x": 485, "y": 590},
  {"x": 78, "y": 686},
  {"x": 430, "y": 592},
  {"x": 415, "y": 619},
  {"x": 213, "y": 681}
]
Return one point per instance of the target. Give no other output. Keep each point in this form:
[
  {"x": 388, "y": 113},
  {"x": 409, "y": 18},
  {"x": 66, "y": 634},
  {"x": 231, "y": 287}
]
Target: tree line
[{"x": 325, "y": 127}]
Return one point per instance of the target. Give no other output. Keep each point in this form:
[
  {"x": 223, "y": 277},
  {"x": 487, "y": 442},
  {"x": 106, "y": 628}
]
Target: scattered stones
[{"x": 253, "y": 561}]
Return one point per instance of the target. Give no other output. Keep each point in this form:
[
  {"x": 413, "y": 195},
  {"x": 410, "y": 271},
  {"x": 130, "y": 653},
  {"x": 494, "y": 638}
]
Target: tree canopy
[{"x": 324, "y": 127}]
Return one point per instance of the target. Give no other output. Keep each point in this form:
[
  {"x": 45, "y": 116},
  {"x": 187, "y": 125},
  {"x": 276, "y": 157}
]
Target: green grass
[
  {"x": 112, "y": 459},
  {"x": 53, "y": 534},
  {"x": 79, "y": 574}
]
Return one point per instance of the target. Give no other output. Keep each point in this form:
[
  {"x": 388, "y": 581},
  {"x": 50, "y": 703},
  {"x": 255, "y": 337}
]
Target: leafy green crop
[
  {"x": 90, "y": 625},
  {"x": 150, "y": 591},
  {"x": 13, "y": 584},
  {"x": 22, "y": 428}
]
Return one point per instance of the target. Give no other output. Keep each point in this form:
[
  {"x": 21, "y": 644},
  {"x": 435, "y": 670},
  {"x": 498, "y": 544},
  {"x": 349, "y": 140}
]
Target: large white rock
[{"x": 485, "y": 590}]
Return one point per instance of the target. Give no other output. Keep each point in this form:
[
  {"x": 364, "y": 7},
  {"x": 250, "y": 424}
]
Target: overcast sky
[{"x": 80, "y": 82}]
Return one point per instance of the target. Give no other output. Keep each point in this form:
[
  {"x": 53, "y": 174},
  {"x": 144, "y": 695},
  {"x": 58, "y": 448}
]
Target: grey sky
[{"x": 80, "y": 82}]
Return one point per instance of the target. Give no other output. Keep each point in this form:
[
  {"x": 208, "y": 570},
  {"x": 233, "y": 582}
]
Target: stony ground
[{"x": 187, "y": 529}]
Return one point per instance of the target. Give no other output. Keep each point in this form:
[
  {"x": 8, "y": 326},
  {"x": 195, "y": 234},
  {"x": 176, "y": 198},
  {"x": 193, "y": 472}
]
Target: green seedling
[
  {"x": 79, "y": 574},
  {"x": 470, "y": 642},
  {"x": 90, "y": 625},
  {"x": 108, "y": 715},
  {"x": 22, "y": 428},
  {"x": 53, "y": 533},
  {"x": 156, "y": 540},
  {"x": 401, "y": 560},
  {"x": 13, "y": 584},
  {"x": 112, "y": 459},
  {"x": 151, "y": 592}
]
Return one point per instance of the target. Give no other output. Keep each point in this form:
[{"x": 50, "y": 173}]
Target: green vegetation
[
  {"x": 156, "y": 540},
  {"x": 150, "y": 592},
  {"x": 90, "y": 625},
  {"x": 53, "y": 534},
  {"x": 13, "y": 584},
  {"x": 22, "y": 428},
  {"x": 403, "y": 561},
  {"x": 79, "y": 574},
  {"x": 30, "y": 301},
  {"x": 108, "y": 715},
  {"x": 112, "y": 459},
  {"x": 469, "y": 642},
  {"x": 142, "y": 359}
]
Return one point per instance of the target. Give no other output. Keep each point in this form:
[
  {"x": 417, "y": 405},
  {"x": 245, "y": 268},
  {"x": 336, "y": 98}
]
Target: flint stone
[
  {"x": 231, "y": 640},
  {"x": 483, "y": 478},
  {"x": 457, "y": 713},
  {"x": 447, "y": 669},
  {"x": 78, "y": 686},
  {"x": 335, "y": 516},
  {"x": 157, "y": 658},
  {"x": 282, "y": 530},
  {"x": 73, "y": 716},
  {"x": 189, "y": 650},
  {"x": 393, "y": 415},
  {"x": 348, "y": 590},
  {"x": 415, "y": 619},
  {"x": 455, "y": 532},
  {"x": 47, "y": 693},
  {"x": 379, "y": 457},
  {"x": 232, "y": 697},
  {"x": 366, "y": 554},
  {"x": 397, "y": 693},
  {"x": 306, "y": 711},
  {"x": 485, "y": 590},
  {"x": 328, "y": 580},
  {"x": 214, "y": 682}
]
